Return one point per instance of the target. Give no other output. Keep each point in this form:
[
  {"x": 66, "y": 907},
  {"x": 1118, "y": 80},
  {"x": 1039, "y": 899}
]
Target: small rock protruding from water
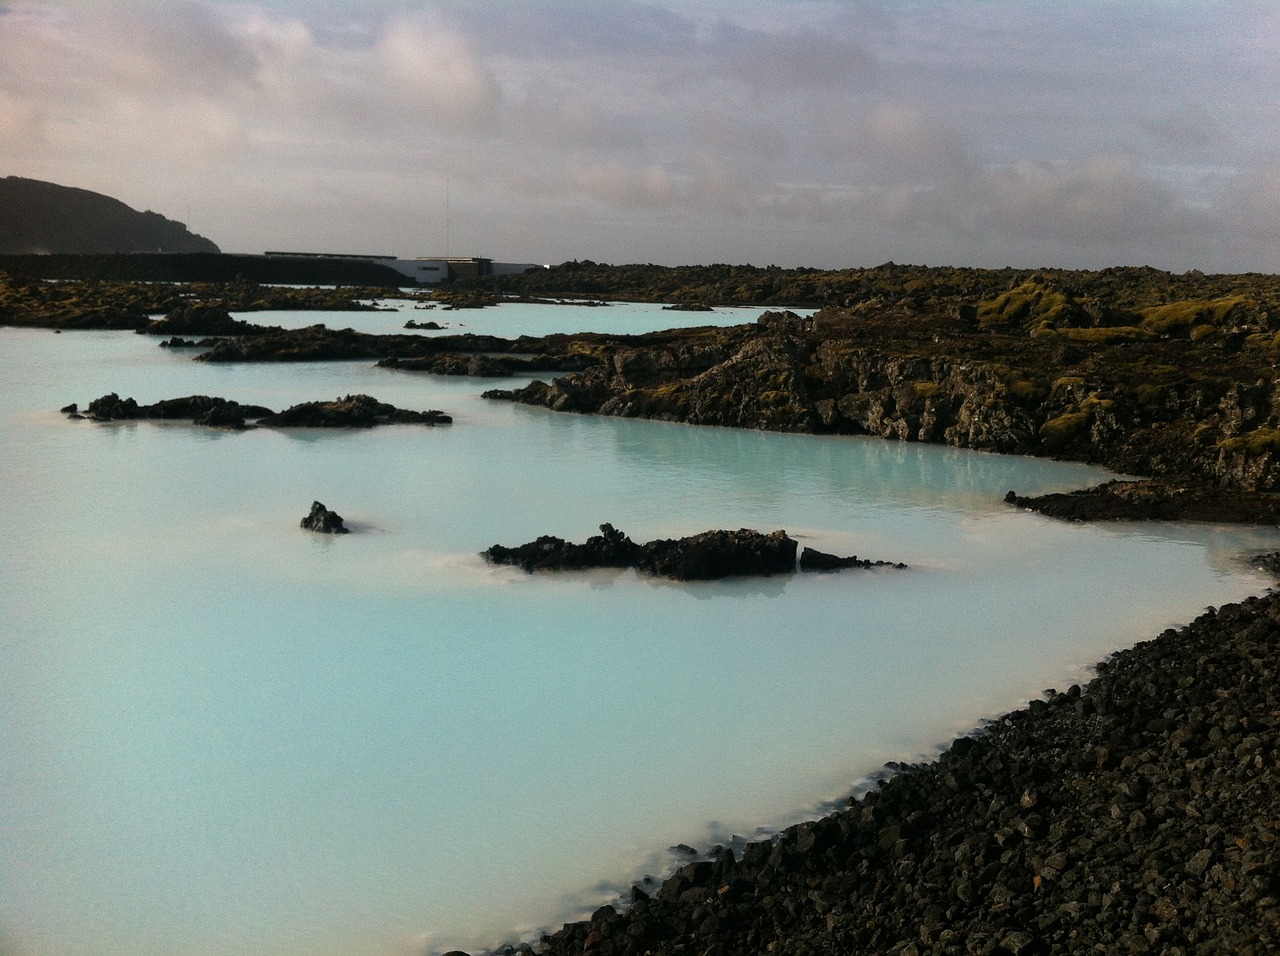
[{"x": 323, "y": 521}]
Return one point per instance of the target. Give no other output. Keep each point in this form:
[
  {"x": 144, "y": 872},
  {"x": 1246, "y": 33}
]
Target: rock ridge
[
  {"x": 353, "y": 411},
  {"x": 707, "y": 556}
]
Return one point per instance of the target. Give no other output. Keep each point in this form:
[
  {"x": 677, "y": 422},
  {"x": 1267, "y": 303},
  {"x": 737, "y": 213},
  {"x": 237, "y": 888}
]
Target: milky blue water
[
  {"x": 223, "y": 735},
  {"x": 511, "y": 318}
]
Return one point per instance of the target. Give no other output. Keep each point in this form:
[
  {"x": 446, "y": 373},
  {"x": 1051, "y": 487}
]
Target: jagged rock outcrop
[
  {"x": 609, "y": 549},
  {"x": 708, "y": 556},
  {"x": 323, "y": 521},
  {"x": 719, "y": 554},
  {"x": 353, "y": 411},
  {"x": 489, "y": 366},
  {"x": 198, "y": 409},
  {"x": 1153, "y": 500},
  {"x": 316, "y": 343},
  {"x": 320, "y": 343},
  {"x": 201, "y": 319}
]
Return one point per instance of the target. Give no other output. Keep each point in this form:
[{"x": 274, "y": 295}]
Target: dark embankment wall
[{"x": 204, "y": 267}]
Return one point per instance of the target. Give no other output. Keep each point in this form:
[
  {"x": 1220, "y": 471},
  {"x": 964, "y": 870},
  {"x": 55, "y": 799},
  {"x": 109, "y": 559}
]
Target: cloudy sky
[{"x": 826, "y": 134}]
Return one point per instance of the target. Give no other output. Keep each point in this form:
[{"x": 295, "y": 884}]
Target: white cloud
[
  {"x": 627, "y": 187},
  {"x": 428, "y": 68},
  {"x": 773, "y": 129}
]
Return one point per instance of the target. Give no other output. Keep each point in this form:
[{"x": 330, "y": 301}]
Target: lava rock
[
  {"x": 706, "y": 556},
  {"x": 353, "y": 411},
  {"x": 719, "y": 554},
  {"x": 197, "y": 319},
  {"x": 811, "y": 559},
  {"x": 323, "y": 521},
  {"x": 207, "y": 410},
  {"x": 609, "y": 549}
]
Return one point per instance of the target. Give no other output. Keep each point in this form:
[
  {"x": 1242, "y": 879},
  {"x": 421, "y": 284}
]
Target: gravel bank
[{"x": 1138, "y": 814}]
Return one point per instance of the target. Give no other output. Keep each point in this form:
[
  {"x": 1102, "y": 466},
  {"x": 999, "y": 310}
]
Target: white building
[{"x": 427, "y": 271}]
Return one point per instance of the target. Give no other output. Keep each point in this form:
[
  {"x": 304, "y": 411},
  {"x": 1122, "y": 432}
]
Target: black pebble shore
[{"x": 1138, "y": 814}]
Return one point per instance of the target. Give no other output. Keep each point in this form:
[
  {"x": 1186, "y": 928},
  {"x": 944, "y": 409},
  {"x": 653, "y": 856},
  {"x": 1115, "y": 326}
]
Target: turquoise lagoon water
[
  {"x": 512, "y": 318},
  {"x": 223, "y": 736}
]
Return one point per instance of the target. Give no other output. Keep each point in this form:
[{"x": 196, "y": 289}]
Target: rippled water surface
[{"x": 222, "y": 735}]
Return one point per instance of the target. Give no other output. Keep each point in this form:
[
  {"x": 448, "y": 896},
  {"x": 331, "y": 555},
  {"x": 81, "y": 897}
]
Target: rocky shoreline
[
  {"x": 1144, "y": 372},
  {"x": 1136, "y": 814},
  {"x": 1154, "y": 499}
]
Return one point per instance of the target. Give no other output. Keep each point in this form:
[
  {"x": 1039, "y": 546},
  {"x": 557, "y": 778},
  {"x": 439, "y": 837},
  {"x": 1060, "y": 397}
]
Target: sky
[{"x": 983, "y": 133}]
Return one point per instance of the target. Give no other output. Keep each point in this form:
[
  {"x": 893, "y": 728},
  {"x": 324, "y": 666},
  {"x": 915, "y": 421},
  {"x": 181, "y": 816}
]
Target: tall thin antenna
[{"x": 447, "y": 252}]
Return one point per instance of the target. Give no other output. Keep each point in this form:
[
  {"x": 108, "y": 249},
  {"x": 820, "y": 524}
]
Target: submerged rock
[
  {"x": 811, "y": 559},
  {"x": 323, "y": 521}
]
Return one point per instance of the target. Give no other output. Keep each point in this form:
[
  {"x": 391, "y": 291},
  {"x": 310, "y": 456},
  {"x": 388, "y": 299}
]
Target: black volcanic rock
[
  {"x": 42, "y": 217},
  {"x": 198, "y": 409},
  {"x": 811, "y": 559},
  {"x": 718, "y": 554},
  {"x": 710, "y": 555},
  {"x": 315, "y": 343},
  {"x": 323, "y": 521},
  {"x": 490, "y": 366},
  {"x": 353, "y": 411},
  {"x": 1153, "y": 499},
  {"x": 198, "y": 319},
  {"x": 609, "y": 549}
]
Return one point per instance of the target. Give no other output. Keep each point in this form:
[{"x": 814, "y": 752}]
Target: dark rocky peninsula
[
  {"x": 1154, "y": 499},
  {"x": 1134, "y": 815},
  {"x": 353, "y": 411}
]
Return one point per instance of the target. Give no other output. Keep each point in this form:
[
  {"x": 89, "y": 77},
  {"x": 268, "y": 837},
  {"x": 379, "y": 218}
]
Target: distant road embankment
[{"x": 204, "y": 267}]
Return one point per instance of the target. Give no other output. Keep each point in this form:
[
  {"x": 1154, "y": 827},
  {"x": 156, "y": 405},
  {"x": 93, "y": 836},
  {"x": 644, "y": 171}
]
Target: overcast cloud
[{"x": 831, "y": 134}]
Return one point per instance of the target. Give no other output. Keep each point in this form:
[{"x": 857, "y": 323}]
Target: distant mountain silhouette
[{"x": 40, "y": 217}]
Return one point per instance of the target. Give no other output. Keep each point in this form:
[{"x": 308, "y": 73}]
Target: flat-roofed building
[{"x": 424, "y": 270}]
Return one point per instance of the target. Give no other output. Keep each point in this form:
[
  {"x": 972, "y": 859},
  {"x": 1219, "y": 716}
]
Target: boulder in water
[{"x": 323, "y": 521}]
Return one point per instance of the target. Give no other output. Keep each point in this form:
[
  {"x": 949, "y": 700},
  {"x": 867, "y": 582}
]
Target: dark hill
[{"x": 40, "y": 217}]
